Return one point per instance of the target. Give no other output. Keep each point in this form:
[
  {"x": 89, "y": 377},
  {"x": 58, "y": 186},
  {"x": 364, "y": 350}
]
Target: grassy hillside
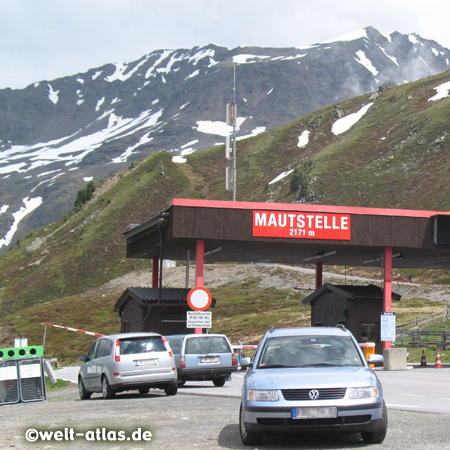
[{"x": 396, "y": 156}]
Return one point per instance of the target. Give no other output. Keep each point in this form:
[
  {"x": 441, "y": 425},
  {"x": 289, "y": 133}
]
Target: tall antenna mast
[{"x": 231, "y": 112}]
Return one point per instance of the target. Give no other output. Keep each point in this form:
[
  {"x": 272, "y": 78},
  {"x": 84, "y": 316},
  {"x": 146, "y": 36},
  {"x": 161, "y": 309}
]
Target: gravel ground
[{"x": 185, "y": 422}]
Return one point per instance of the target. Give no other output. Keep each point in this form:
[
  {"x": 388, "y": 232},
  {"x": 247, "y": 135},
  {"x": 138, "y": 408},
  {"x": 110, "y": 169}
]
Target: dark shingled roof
[
  {"x": 351, "y": 292},
  {"x": 151, "y": 295}
]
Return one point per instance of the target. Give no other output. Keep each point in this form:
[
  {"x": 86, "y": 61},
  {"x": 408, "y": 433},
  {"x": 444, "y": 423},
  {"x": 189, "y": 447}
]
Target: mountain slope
[
  {"x": 385, "y": 149},
  {"x": 395, "y": 155},
  {"x": 56, "y": 135}
]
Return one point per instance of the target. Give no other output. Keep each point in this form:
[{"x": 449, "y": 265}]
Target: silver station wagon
[
  {"x": 203, "y": 357},
  {"x": 128, "y": 361},
  {"x": 311, "y": 379}
]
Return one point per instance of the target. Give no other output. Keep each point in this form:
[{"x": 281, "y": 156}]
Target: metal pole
[{"x": 234, "y": 133}]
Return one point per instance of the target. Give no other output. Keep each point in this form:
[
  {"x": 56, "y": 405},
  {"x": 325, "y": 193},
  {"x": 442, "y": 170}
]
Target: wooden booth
[
  {"x": 358, "y": 308},
  {"x": 152, "y": 309}
]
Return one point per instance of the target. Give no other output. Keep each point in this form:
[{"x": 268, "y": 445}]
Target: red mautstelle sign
[{"x": 301, "y": 225}]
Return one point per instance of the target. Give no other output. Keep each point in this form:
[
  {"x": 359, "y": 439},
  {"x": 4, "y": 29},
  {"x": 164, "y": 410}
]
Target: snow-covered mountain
[{"x": 57, "y": 135}]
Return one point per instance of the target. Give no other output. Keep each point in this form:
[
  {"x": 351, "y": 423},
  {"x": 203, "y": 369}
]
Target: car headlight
[
  {"x": 364, "y": 392},
  {"x": 259, "y": 395}
]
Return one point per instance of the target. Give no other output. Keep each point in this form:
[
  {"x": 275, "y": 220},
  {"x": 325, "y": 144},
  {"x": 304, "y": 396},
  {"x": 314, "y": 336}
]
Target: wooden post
[{"x": 155, "y": 272}]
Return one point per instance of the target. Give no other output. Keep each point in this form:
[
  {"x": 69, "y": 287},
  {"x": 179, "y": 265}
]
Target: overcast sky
[{"x": 47, "y": 39}]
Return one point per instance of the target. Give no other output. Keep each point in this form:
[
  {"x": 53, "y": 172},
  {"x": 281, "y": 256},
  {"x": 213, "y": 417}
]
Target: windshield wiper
[{"x": 274, "y": 366}]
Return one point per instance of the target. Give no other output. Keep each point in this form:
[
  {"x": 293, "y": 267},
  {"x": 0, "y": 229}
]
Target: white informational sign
[
  {"x": 30, "y": 370},
  {"x": 199, "y": 319},
  {"x": 387, "y": 322}
]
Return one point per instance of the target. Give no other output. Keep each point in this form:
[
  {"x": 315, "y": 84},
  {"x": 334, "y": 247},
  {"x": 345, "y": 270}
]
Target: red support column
[
  {"x": 387, "y": 286},
  {"x": 199, "y": 263},
  {"x": 155, "y": 272},
  {"x": 318, "y": 275}
]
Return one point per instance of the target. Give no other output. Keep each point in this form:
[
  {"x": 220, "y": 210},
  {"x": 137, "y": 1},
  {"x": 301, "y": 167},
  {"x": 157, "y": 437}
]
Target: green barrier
[{"x": 21, "y": 352}]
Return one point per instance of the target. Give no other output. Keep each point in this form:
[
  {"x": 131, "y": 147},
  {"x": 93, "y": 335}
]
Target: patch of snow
[
  {"x": 303, "y": 139},
  {"x": 244, "y": 58},
  {"x": 96, "y": 75},
  {"x": 442, "y": 91},
  {"x": 204, "y": 53},
  {"x": 87, "y": 179},
  {"x": 281, "y": 176},
  {"x": 394, "y": 60},
  {"x": 192, "y": 75},
  {"x": 217, "y": 127},
  {"x": 362, "y": 59},
  {"x": 345, "y": 123},
  {"x": 30, "y": 206},
  {"x": 52, "y": 95},
  {"x": 349, "y": 37},
  {"x": 178, "y": 159},
  {"x": 412, "y": 39},
  {"x": 99, "y": 104}
]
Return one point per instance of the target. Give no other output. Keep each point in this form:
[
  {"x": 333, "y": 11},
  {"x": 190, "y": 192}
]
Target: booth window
[{"x": 368, "y": 332}]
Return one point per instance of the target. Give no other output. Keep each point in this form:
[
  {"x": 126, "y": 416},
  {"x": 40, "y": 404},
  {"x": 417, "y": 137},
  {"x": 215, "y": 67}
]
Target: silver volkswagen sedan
[{"x": 311, "y": 380}]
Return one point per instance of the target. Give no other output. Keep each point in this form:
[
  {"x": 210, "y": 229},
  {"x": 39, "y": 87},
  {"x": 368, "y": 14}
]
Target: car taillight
[
  {"x": 117, "y": 351},
  {"x": 233, "y": 361},
  {"x": 167, "y": 346},
  {"x": 182, "y": 362}
]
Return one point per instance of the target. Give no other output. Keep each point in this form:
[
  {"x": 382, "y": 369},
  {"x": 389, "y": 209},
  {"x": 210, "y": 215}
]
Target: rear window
[
  {"x": 212, "y": 344},
  {"x": 130, "y": 346}
]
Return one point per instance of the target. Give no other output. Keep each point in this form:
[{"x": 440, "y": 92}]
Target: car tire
[
  {"x": 171, "y": 389},
  {"x": 84, "y": 394},
  {"x": 107, "y": 392},
  {"x": 219, "y": 382},
  {"x": 144, "y": 390},
  {"x": 247, "y": 437},
  {"x": 377, "y": 437}
]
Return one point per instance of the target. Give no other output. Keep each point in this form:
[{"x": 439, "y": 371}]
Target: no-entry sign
[{"x": 199, "y": 299}]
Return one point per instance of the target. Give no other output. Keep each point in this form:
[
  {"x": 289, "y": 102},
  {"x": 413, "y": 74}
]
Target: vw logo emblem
[{"x": 314, "y": 394}]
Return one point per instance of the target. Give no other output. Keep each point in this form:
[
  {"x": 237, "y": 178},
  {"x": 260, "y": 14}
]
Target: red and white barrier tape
[{"x": 74, "y": 329}]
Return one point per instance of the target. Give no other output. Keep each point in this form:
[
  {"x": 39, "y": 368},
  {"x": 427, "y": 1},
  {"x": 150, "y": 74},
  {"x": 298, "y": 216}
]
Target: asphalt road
[
  {"x": 203, "y": 417},
  {"x": 422, "y": 389}
]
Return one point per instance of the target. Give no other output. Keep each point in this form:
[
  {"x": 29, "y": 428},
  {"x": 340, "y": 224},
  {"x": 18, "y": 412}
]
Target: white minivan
[{"x": 203, "y": 357}]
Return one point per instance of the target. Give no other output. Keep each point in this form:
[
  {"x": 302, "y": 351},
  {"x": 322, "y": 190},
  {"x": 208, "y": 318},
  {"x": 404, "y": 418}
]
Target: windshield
[{"x": 301, "y": 351}]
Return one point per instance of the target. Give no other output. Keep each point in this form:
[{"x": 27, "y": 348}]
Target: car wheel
[
  {"x": 171, "y": 389},
  {"x": 247, "y": 437},
  {"x": 219, "y": 382},
  {"x": 84, "y": 394},
  {"x": 377, "y": 437},
  {"x": 144, "y": 390},
  {"x": 106, "y": 389}
]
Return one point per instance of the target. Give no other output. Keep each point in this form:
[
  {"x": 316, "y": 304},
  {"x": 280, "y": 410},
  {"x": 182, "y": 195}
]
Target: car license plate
[
  {"x": 314, "y": 413},
  {"x": 146, "y": 362},
  {"x": 210, "y": 359}
]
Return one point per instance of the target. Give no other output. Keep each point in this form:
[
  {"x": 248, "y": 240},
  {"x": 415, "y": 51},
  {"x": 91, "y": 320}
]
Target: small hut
[
  {"x": 153, "y": 309},
  {"x": 358, "y": 308}
]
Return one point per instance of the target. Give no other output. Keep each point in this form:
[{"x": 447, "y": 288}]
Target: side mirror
[
  {"x": 246, "y": 362},
  {"x": 82, "y": 358},
  {"x": 374, "y": 358}
]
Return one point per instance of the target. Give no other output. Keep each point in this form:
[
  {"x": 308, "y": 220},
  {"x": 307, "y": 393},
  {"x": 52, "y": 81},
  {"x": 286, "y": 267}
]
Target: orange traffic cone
[
  {"x": 438, "y": 360},
  {"x": 424, "y": 360}
]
